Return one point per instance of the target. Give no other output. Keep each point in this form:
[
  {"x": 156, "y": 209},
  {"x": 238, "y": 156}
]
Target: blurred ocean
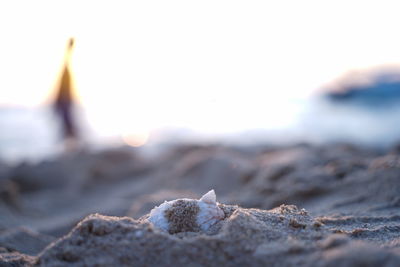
[
  {"x": 33, "y": 133},
  {"x": 27, "y": 133}
]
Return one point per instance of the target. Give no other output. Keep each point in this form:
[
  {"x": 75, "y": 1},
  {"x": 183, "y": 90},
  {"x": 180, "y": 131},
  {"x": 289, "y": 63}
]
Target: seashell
[{"x": 187, "y": 215}]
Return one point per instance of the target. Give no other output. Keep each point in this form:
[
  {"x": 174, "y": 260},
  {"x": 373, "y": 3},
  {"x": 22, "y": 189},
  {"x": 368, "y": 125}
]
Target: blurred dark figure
[{"x": 64, "y": 102}]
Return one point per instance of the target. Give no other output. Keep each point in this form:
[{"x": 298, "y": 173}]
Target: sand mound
[
  {"x": 244, "y": 237},
  {"x": 280, "y": 237}
]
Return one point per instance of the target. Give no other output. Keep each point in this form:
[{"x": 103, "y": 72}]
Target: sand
[{"x": 331, "y": 205}]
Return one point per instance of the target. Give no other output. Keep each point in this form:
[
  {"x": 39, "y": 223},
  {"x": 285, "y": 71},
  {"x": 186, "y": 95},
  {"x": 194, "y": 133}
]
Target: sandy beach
[{"x": 299, "y": 205}]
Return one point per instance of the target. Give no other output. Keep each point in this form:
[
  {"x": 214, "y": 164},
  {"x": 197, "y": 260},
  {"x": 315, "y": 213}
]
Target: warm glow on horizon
[
  {"x": 217, "y": 65},
  {"x": 136, "y": 139}
]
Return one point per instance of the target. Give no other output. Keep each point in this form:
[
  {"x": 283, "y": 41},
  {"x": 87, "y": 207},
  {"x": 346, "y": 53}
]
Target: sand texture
[{"x": 332, "y": 205}]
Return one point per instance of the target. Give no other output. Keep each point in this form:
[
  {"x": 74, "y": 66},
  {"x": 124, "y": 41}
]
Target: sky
[{"x": 207, "y": 65}]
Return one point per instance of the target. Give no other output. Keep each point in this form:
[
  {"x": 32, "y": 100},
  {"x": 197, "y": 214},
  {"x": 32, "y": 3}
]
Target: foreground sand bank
[{"x": 351, "y": 198}]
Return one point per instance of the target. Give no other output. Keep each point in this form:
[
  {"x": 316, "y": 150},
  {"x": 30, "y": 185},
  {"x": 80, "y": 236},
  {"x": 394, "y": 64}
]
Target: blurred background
[{"x": 153, "y": 72}]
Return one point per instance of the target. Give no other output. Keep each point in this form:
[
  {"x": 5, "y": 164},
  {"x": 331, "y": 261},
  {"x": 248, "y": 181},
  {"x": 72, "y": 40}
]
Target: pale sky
[{"x": 201, "y": 64}]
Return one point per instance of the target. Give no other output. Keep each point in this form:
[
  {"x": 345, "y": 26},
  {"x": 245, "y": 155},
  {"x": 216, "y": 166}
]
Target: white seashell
[
  {"x": 210, "y": 197},
  {"x": 183, "y": 215}
]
